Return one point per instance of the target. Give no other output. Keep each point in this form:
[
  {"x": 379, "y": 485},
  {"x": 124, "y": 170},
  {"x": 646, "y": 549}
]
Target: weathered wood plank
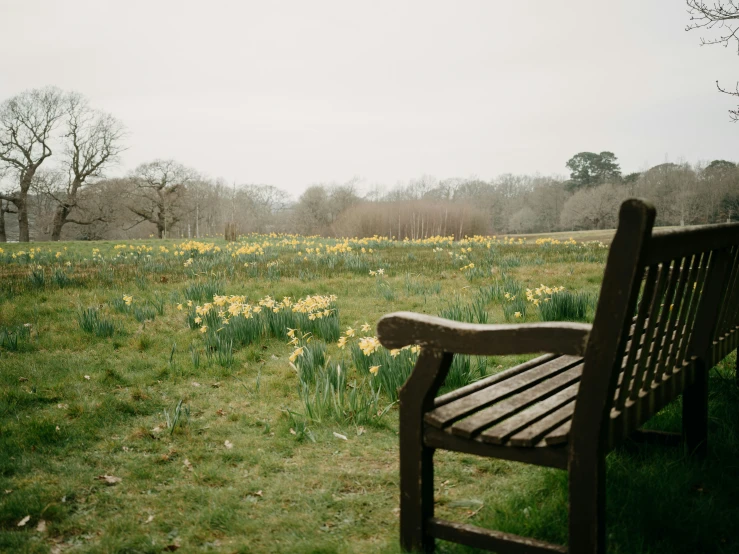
[
  {"x": 487, "y": 381},
  {"x": 449, "y": 413},
  {"x": 680, "y": 325},
  {"x": 400, "y": 329},
  {"x": 486, "y": 417},
  {"x": 641, "y": 365},
  {"x": 533, "y": 433},
  {"x": 540, "y": 454},
  {"x": 500, "y": 433},
  {"x": 477, "y": 537},
  {"x": 729, "y": 294},
  {"x": 560, "y": 435},
  {"x": 637, "y": 331},
  {"x": 668, "y": 318},
  {"x": 670, "y": 244}
]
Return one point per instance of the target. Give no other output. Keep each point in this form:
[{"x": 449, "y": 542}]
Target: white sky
[{"x": 295, "y": 93}]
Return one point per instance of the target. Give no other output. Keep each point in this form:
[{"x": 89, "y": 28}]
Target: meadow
[{"x": 205, "y": 395}]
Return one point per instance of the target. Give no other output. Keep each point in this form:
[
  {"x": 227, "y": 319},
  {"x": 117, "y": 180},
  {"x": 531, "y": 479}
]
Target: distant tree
[
  {"x": 719, "y": 182},
  {"x": 588, "y": 169},
  {"x": 722, "y": 15},
  {"x": 92, "y": 142},
  {"x": 158, "y": 195},
  {"x": 27, "y": 124},
  {"x": 630, "y": 178},
  {"x": 523, "y": 221},
  {"x": 312, "y": 212},
  {"x": 593, "y": 208}
]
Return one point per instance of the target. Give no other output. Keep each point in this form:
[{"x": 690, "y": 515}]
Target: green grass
[{"x": 222, "y": 445}]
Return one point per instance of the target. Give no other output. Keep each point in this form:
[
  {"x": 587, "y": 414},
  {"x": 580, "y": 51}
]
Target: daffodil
[
  {"x": 366, "y": 328},
  {"x": 374, "y": 369},
  {"x": 204, "y": 329},
  {"x": 517, "y": 314},
  {"x": 297, "y": 352}
]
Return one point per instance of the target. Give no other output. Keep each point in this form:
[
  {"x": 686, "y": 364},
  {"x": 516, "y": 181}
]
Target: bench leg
[
  {"x": 587, "y": 531},
  {"x": 416, "y": 494},
  {"x": 695, "y": 413}
]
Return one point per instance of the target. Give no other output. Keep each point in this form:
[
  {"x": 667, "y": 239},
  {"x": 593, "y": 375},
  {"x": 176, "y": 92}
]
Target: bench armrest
[{"x": 401, "y": 329}]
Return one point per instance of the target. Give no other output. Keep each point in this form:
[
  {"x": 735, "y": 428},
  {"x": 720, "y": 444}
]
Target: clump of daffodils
[
  {"x": 542, "y": 294},
  {"x": 369, "y": 345},
  {"x": 236, "y": 306},
  {"x": 379, "y": 272},
  {"x": 128, "y": 299}
]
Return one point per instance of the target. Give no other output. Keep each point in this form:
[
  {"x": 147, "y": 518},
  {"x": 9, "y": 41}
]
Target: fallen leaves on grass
[
  {"x": 340, "y": 436},
  {"x": 228, "y": 444},
  {"x": 23, "y": 522},
  {"x": 187, "y": 464},
  {"x": 109, "y": 480},
  {"x": 41, "y": 527}
]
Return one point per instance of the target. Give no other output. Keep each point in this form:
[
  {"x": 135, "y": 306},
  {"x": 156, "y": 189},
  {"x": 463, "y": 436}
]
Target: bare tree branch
[{"x": 722, "y": 15}]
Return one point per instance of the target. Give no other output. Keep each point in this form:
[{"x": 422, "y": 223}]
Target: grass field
[{"x": 231, "y": 397}]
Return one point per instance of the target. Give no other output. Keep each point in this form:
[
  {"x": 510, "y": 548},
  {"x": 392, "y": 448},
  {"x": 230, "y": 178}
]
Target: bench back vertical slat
[
  {"x": 652, "y": 355},
  {"x": 681, "y": 310},
  {"x": 695, "y": 291},
  {"x": 713, "y": 290},
  {"x": 643, "y": 366},
  {"x": 632, "y": 347},
  {"x": 672, "y": 305},
  {"x": 729, "y": 315}
]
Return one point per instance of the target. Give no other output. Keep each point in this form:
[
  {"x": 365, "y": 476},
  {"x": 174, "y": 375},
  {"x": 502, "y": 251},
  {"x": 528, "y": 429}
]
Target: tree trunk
[
  {"x": 60, "y": 218},
  {"x": 3, "y": 236},
  {"x": 21, "y": 203},
  {"x": 22, "y": 206}
]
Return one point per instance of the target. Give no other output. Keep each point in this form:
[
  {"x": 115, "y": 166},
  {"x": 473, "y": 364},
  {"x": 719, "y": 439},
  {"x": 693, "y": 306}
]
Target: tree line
[{"x": 57, "y": 153}]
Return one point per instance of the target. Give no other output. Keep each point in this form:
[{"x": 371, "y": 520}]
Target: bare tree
[
  {"x": 593, "y": 208},
  {"x": 27, "y": 123},
  {"x": 721, "y": 15},
  {"x": 93, "y": 141},
  {"x": 4, "y": 208},
  {"x": 159, "y": 193}
]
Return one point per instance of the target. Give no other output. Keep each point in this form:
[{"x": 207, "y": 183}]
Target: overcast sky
[{"x": 295, "y": 93}]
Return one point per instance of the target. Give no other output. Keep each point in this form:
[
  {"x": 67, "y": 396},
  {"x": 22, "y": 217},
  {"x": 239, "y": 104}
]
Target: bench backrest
[{"x": 665, "y": 297}]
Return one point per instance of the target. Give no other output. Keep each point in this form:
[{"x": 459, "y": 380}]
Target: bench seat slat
[
  {"x": 491, "y": 415},
  {"x": 532, "y": 434},
  {"x": 449, "y": 413},
  {"x": 500, "y": 433},
  {"x": 487, "y": 381},
  {"x": 560, "y": 435}
]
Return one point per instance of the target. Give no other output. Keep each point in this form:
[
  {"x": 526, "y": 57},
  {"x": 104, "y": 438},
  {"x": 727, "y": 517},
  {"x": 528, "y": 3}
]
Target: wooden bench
[{"x": 668, "y": 310}]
